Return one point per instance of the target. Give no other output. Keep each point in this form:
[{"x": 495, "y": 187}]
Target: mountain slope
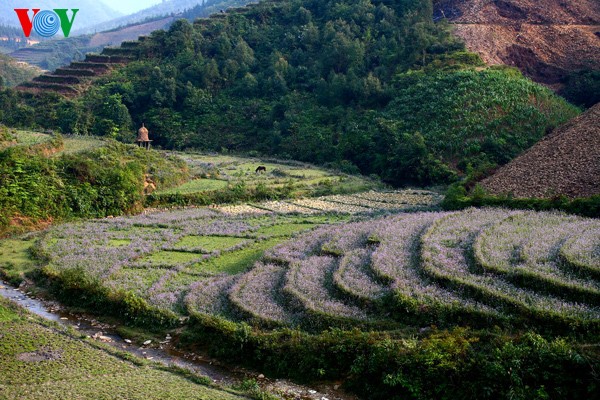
[
  {"x": 546, "y": 39},
  {"x": 567, "y": 162},
  {"x": 53, "y": 54},
  {"x": 13, "y": 72},
  {"x": 166, "y": 8},
  {"x": 91, "y": 12},
  {"x": 362, "y": 86}
]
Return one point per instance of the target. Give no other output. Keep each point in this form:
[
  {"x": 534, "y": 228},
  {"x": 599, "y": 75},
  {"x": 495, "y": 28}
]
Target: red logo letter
[{"x": 26, "y": 23}]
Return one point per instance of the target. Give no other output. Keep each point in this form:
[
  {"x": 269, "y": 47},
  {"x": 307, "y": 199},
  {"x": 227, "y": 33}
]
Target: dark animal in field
[{"x": 261, "y": 169}]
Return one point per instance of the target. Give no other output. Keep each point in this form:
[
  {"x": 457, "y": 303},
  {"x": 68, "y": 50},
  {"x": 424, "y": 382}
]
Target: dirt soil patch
[
  {"x": 43, "y": 354},
  {"x": 546, "y": 39},
  {"x": 567, "y": 162}
]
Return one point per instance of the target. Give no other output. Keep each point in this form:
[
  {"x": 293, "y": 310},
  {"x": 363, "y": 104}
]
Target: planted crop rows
[{"x": 316, "y": 271}]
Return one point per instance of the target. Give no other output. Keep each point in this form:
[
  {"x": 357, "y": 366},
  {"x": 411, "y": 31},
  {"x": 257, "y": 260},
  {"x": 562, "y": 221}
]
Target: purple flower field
[{"x": 489, "y": 265}]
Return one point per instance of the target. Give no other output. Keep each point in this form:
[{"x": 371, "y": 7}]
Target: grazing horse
[{"x": 261, "y": 169}]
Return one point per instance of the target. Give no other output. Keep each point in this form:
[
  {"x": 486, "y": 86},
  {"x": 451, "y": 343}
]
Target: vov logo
[{"x": 46, "y": 23}]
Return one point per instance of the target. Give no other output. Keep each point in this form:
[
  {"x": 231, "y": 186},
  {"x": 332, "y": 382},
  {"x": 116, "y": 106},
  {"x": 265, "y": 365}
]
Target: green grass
[
  {"x": 28, "y": 138},
  {"x": 195, "y": 186},
  {"x": 306, "y": 179},
  {"x": 136, "y": 280},
  {"x": 171, "y": 258},
  {"x": 119, "y": 242},
  {"x": 76, "y": 144},
  {"x": 284, "y": 229},
  {"x": 40, "y": 361},
  {"x": 236, "y": 261},
  {"x": 7, "y": 315},
  {"x": 307, "y": 173},
  {"x": 72, "y": 144},
  {"x": 15, "y": 259},
  {"x": 208, "y": 243}
]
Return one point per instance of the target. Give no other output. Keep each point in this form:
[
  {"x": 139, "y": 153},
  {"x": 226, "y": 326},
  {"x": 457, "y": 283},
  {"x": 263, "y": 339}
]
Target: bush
[
  {"x": 98, "y": 183},
  {"x": 583, "y": 88},
  {"x": 457, "y": 198}
]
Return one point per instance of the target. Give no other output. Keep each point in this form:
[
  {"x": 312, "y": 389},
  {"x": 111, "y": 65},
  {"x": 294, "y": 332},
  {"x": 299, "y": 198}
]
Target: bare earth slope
[
  {"x": 566, "y": 162},
  {"x": 546, "y": 39}
]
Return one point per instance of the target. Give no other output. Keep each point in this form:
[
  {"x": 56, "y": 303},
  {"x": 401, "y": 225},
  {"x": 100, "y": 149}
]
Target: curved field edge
[
  {"x": 464, "y": 362},
  {"x": 376, "y": 364},
  {"x": 436, "y": 284},
  {"x": 447, "y": 257}
]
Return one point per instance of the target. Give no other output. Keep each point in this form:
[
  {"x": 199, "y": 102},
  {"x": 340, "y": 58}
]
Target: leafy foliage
[
  {"x": 95, "y": 183},
  {"x": 458, "y": 198},
  {"x": 366, "y": 86},
  {"x": 583, "y": 88}
]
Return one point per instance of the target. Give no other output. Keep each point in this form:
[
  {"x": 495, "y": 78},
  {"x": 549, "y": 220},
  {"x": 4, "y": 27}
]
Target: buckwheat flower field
[{"x": 317, "y": 270}]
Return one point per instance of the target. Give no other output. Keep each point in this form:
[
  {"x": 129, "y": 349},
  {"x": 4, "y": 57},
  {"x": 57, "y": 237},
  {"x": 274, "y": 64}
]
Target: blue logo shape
[{"x": 46, "y": 23}]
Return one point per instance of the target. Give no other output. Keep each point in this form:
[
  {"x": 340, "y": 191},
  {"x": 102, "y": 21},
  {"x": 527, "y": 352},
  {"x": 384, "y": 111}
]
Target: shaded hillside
[
  {"x": 567, "y": 162},
  {"x": 11, "y": 39},
  {"x": 75, "y": 78},
  {"x": 51, "y": 54},
  {"x": 546, "y": 39},
  {"x": 13, "y": 72},
  {"x": 90, "y": 12}
]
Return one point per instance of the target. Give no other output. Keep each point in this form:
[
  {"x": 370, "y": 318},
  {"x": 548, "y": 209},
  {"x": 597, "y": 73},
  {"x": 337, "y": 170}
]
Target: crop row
[
  {"x": 479, "y": 265},
  {"x": 367, "y": 202}
]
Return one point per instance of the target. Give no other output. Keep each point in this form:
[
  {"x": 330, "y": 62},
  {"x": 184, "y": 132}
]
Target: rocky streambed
[{"x": 163, "y": 351}]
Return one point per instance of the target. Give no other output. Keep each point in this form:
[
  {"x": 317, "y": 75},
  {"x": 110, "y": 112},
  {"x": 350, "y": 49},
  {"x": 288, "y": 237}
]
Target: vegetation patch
[
  {"x": 352, "y": 300},
  {"x": 196, "y": 185},
  {"x": 207, "y": 244},
  {"x": 119, "y": 242},
  {"x": 15, "y": 259},
  {"x": 171, "y": 258},
  {"x": 284, "y": 229},
  {"x": 237, "y": 261},
  {"x": 36, "y": 188},
  {"x": 42, "y": 361},
  {"x": 234, "y": 179}
]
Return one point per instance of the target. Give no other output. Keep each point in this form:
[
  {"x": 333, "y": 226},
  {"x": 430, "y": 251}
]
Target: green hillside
[
  {"x": 365, "y": 86},
  {"x": 45, "y": 179}
]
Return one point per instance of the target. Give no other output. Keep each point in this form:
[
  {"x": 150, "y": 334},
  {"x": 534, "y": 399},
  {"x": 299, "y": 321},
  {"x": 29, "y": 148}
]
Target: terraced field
[
  {"x": 362, "y": 203},
  {"x": 476, "y": 267},
  {"x": 214, "y": 172},
  {"x": 42, "y": 361}
]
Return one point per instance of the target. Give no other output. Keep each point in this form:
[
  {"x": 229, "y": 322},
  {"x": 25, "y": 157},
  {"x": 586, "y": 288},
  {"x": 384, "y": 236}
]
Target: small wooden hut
[{"x": 142, "y": 138}]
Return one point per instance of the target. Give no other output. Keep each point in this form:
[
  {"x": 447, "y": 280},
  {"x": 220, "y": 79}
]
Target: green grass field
[
  {"x": 72, "y": 143},
  {"x": 39, "y": 360},
  {"x": 213, "y": 172},
  {"x": 76, "y": 144},
  {"x": 197, "y": 185}
]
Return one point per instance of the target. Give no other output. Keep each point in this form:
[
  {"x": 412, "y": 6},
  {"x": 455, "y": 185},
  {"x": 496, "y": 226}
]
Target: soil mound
[
  {"x": 567, "y": 162},
  {"x": 546, "y": 39}
]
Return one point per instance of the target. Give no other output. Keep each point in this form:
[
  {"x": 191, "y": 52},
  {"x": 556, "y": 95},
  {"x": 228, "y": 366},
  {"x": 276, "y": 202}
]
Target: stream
[{"x": 165, "y": 353}]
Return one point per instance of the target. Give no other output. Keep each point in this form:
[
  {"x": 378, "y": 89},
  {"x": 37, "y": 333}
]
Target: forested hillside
[{"x": 363, "y": 85}]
